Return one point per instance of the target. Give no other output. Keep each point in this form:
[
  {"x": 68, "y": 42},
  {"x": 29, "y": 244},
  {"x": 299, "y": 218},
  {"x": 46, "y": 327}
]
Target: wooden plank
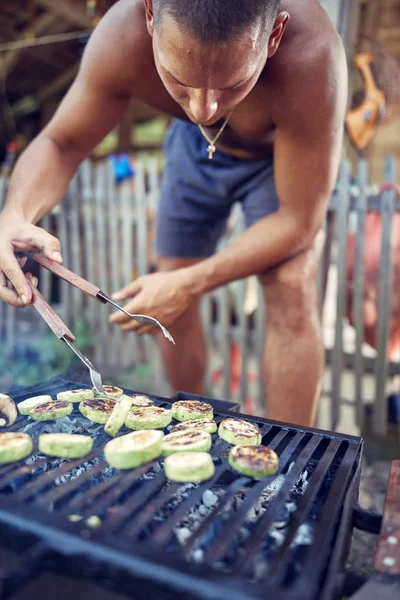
[
  {"x": 3, "y": 190},
  {"x": 358, "y": 296},
  {"x": 261, "y": 327},
  {"x": 129, "y": 343},
  {"x": 225, "y": 339},
  {"x": 387, "y": 559},
  {"x": 384, "y": 298},
  {"x": 7, "y": 312},
  {"x": 113, "y": 209},
  {"x": 75, "y": 245},
  {"x": 206, "y": 318},
  {"x": 341, "y": 263},
  {"x": 101, "y": 259},
  {"x": 141, "y": 249},
  {"x": 65, "y": 288},
  {"x": 87, "y": 194}
]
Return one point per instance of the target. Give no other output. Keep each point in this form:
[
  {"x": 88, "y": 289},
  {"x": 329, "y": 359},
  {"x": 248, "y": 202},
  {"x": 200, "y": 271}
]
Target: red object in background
[
  {"x": 373, "y": 232},
  {"x": 236, "y": 372}
]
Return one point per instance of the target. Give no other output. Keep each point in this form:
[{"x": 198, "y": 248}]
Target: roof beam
[
  {"x": 39, "y": 26},
  {"x": 67, "y": 11},
  {"x": 30, "y": 103}
]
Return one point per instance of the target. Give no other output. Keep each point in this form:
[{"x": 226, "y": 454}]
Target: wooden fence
[{"x": 106, "y": 233}]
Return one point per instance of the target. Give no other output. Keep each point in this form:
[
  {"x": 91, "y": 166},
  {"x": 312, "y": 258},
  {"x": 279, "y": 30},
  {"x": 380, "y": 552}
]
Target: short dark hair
[{"x": 213, "y": 21}]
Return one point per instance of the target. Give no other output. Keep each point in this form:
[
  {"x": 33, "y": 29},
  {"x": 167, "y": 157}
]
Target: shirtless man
[{"x": 274, "y": 73}]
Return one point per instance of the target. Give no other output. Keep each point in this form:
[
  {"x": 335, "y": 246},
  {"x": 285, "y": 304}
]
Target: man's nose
[{"x": 203, "y": 105}]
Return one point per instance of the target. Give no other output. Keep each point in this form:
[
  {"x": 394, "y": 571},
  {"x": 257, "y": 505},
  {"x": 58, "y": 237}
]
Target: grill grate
[{"x": 269, "y": 538}]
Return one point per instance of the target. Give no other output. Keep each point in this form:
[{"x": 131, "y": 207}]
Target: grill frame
[{"x": 55, "y": 532}]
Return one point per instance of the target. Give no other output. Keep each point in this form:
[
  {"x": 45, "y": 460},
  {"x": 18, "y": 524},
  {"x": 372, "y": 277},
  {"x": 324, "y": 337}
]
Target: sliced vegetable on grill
[
  {"x": 141, "y": 401},
  {"x": 49, "y": 411},
  {"x": 14, "y": 446},
  {"x": 186, "y": 410},
  {"x": 239, "y": 433},
  {"x": 112, "y": 391},
  {"x": 25, "y": 407},
  {"x": 75, "y": 395},
  {"x": 253, "y": 461},
  {"x": 186, "y": 441},
  {"x": 117, "y": 418},
  {"x": 65, "y": 445},
  {"x": 134, "y": 449},
  {"x": 8, "y": 411},
  {"x": 152, "y": 417},
  {"x": 97, "y": 410},
  {"x": 189, "y": 467},
  {"x": 196, "y": 425}
]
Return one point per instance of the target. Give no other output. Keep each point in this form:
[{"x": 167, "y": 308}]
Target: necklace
[{"x": 211, "y": 142}]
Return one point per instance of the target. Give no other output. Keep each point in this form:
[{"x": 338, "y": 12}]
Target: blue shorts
[{"x": 197, "y": 194}]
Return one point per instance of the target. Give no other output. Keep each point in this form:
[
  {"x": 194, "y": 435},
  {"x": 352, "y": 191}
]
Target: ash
[
  {"x": 274, "y": 537},
  {"x": 70, "y": 424}
]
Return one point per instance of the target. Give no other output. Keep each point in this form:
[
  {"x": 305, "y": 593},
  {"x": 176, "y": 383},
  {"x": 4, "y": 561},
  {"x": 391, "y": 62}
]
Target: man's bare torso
[{"x": 250, "y": 131}]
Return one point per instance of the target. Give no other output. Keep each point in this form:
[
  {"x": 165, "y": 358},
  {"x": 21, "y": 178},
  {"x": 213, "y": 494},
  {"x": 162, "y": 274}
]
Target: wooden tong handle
[
  {"x": 52, "y": 319},
  {"x": 66, "y": 274}
]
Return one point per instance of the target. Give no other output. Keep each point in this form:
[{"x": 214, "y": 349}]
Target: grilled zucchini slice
[
  {"x": 141, "y": 401},
  {"x": 152, "y": 417},
  {"x": 196, "y": 425},
  {"x": 65, "y": 445},
  {"x": 14, "y": 446},
  {"x": 239, "y": 433},
  {"x": 25, "y": 407},
  {"x": 186, "y": 410},
  {"x": 97, "y": 410},
  {"x": 189, "y": 467},
  {"x": 134, "y": 449},
  {"x": 186, "y": 441},
  {"x": 254, "y": 461},
  {"x": 75, "y": 395},
  {"x": 117, "y": 418},
  {"x": 111, "y": 391},
  {"x": 49, "y": 411}
]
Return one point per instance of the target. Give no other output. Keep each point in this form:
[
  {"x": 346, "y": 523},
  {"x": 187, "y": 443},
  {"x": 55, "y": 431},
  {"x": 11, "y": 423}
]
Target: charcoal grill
[{"x": 285, "y": 537}]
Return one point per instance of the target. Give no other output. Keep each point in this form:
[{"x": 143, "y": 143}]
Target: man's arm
[
  {"x": 91, "y": 108},
  {"x": 307, "y": 151}
]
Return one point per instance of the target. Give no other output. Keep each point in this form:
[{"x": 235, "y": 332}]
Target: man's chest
[{"x": 250, "y": 126}]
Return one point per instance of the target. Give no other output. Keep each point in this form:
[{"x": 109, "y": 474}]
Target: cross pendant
[{"x": 211, "y": 149}]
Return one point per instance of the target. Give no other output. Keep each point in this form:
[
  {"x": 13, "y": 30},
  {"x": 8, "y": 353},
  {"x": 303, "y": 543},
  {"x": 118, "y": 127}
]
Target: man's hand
[
  {"x": 16, "y": 234},
  {"x": 163, "y": 296}
]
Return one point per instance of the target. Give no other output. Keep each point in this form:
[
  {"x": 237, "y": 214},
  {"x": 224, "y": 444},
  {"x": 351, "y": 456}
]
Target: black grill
[{"x": 284, "y": 537}]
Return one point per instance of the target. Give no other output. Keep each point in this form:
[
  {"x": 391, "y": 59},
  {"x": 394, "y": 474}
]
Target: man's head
[{"x": 210, "y": 53}]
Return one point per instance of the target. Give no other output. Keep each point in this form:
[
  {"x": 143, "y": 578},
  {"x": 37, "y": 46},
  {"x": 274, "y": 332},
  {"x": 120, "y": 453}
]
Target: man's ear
[
  {"x": 148, "y": 6},
  {"x": 278, "y": 30}
]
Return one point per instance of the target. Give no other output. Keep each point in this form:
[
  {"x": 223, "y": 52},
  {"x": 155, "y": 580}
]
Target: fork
[
  {"x": 145, "y": 320},
  {"x": 94, "y": 291},
  {"x": 63, "y": 333}
]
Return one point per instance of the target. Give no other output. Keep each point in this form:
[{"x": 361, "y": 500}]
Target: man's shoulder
[
  {"x": 120, "y": 47},
  {"x": 311, "y": 67}
]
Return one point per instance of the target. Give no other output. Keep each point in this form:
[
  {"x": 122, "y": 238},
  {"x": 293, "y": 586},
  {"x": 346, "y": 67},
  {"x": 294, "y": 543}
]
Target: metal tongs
[
  {"x": 60, "y": 329},
  {"x": 58, "y": 326},
  {"x": 91, "y": 290}
]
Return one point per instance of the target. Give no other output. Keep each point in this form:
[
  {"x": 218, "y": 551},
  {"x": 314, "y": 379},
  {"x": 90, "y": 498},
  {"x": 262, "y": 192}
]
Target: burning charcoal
[
  {"x": 182, "y": 534},
  {"x": 203, "y": 510},
  {"x": 303, "y": 536},
  {"x": 210, "y": 499},
  {"x": 198, "y": 555},
  {"x": 291, "y": 506}
]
